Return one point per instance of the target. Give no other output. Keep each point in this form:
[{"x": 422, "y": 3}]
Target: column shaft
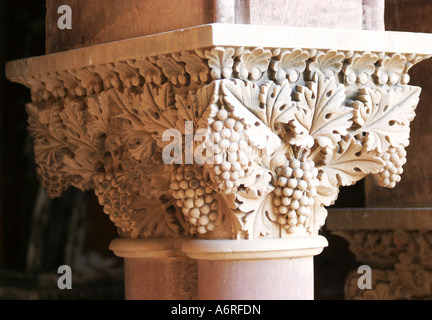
[
  {"x": 273, "y": 279},
  {"x": 159, "y": 279},
  {"x": 156, "y": 269}
]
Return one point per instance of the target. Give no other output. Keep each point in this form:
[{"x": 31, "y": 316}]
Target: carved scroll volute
[{"x": 238, "y": 143}]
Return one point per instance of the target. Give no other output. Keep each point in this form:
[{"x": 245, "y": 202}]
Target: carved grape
[
  {"x": 52, "y": 181},
  {"x": 295, "y": 192},
  {"x": 394, "y": 159},
  {"x": 195, "y": 198},
  {"x": 229, "y": 151}
]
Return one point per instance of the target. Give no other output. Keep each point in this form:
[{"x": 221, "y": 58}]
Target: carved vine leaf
[
  {"x": 253, "y": 205},
  {"x": 360, "y": 67},
  {"x": 148, "y": 177},
  {"x": 350, "y": 163},
  {"x": 198, "y": 107},
  {"x": 242, "y": 98},
  {"x": 195, "y": 66},
  {"x": 290, "y": 64},
  {"x": 46, "y": 128},
  {"x": 89, "y": 79},
  {"x": 257, "y": 183},
  {"x": 254, "y": 216},
  {"x": 129, "y": 76},
  {"x": 77, "y": 131},
  {"x": 110, "y": 78},
  {"x": 322, "y": 117},
  {"x": 126, "y": 127},
  {"x": 151, "y": 112},
  {"x": 157, "y": 111},
  {"x": 174, "y": 71},
  {"x": 221, "y": 62},
  {"x": 384, "y": 116},
  {"x": 100, "y": 115},
  {"x": 276, "y": 106},
  {"x": 327, "y": 194},
  {"x": 155, "y": 219},
  {"x": 148, "y": 70},
  {"x": 253, "y": 63},
  {"x": 329, "y": 63},
  {"x": 81, "y": 171},
  {"x": 83, "y": 142},
  {"x": 390, "y": 69}
]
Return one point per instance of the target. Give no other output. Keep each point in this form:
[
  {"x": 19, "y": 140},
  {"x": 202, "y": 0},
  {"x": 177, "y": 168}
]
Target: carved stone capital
[{"x": 269, "y": 121}]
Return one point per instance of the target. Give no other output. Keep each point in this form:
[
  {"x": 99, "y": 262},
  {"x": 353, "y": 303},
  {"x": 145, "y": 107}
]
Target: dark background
[
  {"x": 59, "y": 223},
  {"x": 22, "y": 34}
]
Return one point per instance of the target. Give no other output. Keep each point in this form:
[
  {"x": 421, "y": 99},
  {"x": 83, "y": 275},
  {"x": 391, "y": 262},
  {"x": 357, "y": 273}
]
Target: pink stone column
[
  {"x": 156, "y": 269},
  {"x": 279, "y": 269},
  {"x": 373, "y": 15}
]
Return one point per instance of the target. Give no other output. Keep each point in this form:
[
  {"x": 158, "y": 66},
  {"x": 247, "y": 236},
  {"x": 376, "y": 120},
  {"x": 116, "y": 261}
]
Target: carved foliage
[
  {"x": 401, "y": 264},
  {"x": 384, "y": 115},
  {"x": 271, "y": 147}
]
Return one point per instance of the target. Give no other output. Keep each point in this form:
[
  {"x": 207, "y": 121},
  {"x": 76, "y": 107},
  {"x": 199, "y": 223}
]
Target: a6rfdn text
[{"x": 232, "y": 309}]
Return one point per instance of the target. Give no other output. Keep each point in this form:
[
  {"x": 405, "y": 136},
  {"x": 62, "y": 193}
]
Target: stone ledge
[
  {"x": 141, "y": 248},
  {"x": 212, "y": 35},
  {"x": 254, "y": 249},
  {"x": 379, "y": 219}
]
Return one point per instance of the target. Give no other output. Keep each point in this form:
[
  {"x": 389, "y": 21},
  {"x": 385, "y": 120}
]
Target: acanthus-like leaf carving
[
  {"x": 46, "y": 128},
  {"x": 253, "y": 63},
  {"x": 390, "y": 69},
  {"x": 125, "y": 125},
  {"x": 322, "y": 116},
  {"x": 195, "y": 66},
  {"x": 149, "y": 70},
  {"x": 350, "y": 163},
  {"x": 290, "y": 65},
  {"x": 360, "y": 67},
  {"x": 129, "y": 76},
  {"x": 198, "y": 107},
  {"x": 173, "y": 70},
  {"x": 329, "y": 63},
  {"x": 253, "y": 216},
  {"x": 338, "y": 112},
  {"x": 383, "y": 116},
  {"x": 221, "y": 62},
  {"x": 276, "y": 106},
  {"x": 151, "y": 112},
  {"x": 243, "y": 98},
  {"x": 155, "y": 219}
]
